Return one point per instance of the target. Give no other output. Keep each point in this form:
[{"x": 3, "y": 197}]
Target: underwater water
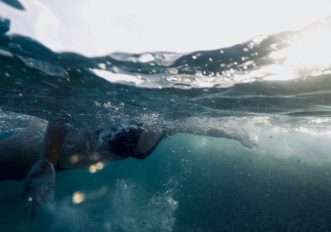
[{"x": 274, "y": 88}]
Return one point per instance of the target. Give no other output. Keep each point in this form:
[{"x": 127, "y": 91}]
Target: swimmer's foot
[{"x": 39, "y": 185}]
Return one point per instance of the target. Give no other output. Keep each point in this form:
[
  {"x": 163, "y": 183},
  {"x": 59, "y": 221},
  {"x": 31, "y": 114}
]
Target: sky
[{"x": 99, "y": 27}]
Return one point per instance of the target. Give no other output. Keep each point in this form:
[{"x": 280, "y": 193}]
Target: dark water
[{"x": 190, "y": 182}]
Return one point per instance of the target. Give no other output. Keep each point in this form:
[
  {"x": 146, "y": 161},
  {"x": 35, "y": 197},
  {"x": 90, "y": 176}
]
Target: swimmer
[{"x": 63, "y": 147}]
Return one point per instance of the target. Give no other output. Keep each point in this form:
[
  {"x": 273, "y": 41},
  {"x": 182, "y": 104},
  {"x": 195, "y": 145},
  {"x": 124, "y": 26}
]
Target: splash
[{"x": 127, "y": 207}]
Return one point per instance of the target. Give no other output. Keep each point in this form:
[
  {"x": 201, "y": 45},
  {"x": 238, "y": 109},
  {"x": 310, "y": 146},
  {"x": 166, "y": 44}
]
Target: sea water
[{"x": 268, "y": 87}]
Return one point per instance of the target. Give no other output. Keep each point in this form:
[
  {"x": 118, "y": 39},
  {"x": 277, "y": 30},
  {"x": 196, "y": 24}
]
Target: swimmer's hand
[
  {"x": 215, "y": 129},
  {"x": 243, "y": 137},
  {"x": 249, "y": 141},
  {"x": 39, "y": 185}
]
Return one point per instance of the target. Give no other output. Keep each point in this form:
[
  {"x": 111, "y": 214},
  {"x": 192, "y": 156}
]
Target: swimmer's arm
[
  {"x": 53, "y": 141},
  {"x": 39, "y": 183},
  {"x": 246, "y": 139}
]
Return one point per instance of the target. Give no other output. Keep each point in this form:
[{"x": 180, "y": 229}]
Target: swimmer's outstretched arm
[{"x": 246, "y": 139}]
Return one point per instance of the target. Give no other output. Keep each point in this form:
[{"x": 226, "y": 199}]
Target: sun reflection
[
  {"x": 92, "y": 169},
  {"x": 78, "y": 197},
  {"x": 99, "y": 165},
  {"x": 74, "y": 159},
  {"x": 310, "y": 51},
  {"x": 96, "y": 167}
]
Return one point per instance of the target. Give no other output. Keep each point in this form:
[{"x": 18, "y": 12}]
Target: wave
[{"x": 257, "y": 76}]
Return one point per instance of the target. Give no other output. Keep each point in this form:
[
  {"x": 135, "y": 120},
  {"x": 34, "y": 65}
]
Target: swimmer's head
[{"x": 125, "y": 141}]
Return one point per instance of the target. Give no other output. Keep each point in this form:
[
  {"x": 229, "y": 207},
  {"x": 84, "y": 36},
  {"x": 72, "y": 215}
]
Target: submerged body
[
  {"x": 18, "y": 152},
  {"x": 68, "y": 148},
  {"x": 65, "y": 149}
]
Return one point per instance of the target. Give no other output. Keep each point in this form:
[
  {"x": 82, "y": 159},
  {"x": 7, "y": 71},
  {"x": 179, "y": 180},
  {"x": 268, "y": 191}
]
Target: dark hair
[{"x": 125, "y": 141}]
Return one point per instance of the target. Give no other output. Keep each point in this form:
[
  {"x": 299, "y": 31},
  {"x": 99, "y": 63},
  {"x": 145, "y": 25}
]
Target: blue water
[
  {"x": 213, "y": 188},
  {"x": 190, "y": 182}
]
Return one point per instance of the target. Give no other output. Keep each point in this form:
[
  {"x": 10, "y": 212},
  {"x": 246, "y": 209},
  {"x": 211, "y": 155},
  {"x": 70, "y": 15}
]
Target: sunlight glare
[
  {"x": 78, "y": 197},
  {"x": 310, "y": 51},
  {"x": 96, "y": 27}
]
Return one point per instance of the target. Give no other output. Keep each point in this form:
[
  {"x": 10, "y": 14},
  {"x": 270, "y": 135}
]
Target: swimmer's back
[{"x": 19, "y": 151}]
